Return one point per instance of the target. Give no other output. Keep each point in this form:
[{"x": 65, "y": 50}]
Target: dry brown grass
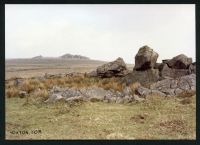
[
  {"x": 12, "y": 92},
  {"x": 30, "y": 85},
  {"x": 41, "y": 93},
  {"x": 134, "y": 86},
  {"x": 186, "y": 94}
]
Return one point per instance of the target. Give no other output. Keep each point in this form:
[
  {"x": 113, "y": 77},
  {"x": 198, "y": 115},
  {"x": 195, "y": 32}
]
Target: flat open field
[{"x": 26, "y": 68}]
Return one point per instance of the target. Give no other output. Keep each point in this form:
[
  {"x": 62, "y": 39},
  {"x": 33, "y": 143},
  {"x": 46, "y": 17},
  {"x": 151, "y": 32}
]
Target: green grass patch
[{"x": 155, "y": 118}]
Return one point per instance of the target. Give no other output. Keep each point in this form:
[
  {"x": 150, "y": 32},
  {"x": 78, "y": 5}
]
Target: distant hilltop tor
[
  {"x": 70, "y": 56},
  {"x": 65, "y": 56},
  {"x": 37, "y": 57}
]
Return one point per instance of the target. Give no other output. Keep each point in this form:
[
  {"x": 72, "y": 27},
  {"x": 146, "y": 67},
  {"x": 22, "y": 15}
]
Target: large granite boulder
[
  {"x": 179, "y": 62},
  {"x": 166, "y": 71},
  {"x": 143, "y": 77},
  {"x": 115, "y": 68},
  {"x": 145, "y": 58}
]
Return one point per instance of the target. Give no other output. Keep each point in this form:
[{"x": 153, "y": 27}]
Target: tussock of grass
[
  {"x": 41, "y": 93},
  {"x": 28, "y": 86},
  {"x": 12, "y": 92},
  {"x": 186, "y": 94},
  {"x": 135, "y": 85}
]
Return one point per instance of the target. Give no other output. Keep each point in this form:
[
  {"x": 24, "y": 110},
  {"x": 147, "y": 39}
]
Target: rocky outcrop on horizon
[
  {"x": 38, "y": 57},
  {"x": 70, "y": 56},
  {"x": 65, "y": 56}
]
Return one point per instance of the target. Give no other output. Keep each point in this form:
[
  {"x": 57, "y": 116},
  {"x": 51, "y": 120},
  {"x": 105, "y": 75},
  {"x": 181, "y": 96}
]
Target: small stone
[
  {"x": 75, "y": 99},
  {"x": 142, "y": 91},
  {"x": 119, "y": 100},
  {"x": 137, "y": 98},
  {"x": 23, "y": 94}
]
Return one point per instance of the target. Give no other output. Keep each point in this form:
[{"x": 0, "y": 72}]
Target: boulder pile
[
  {"x": 147, "y": 70},
  {"x": 166, "y": 87},
  {"x": 169, "y": 78},
  {"x": 177, "y": 66}
]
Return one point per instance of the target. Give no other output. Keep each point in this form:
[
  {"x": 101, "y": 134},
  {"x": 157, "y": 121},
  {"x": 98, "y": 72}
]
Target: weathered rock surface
[
  {"x": 92, "y": 74},
  {"x": 179, "y": 62},
  {"x": 92, "y": 94},
  {"x": 192, "y": 68},
  {"x": 173, "y": 73},
  {"x": 54, "y": 97},
  {"x": 147, "y": 76},
  {"x": 75, "y": 99},
  {"x": 169, "y": 86},
  {"x": 145, "y": 58},
  {"x": 60, "y": 75},
  {"x": 115, "y": 68},
  {"x": 23, "y": 94},
  {"x": 176, "y": 86},
  {"x": 18, "y": 81}
]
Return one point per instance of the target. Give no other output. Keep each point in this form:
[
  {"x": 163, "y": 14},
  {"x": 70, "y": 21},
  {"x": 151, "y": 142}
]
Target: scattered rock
[
  {"x": 176, "y": 86},
  {"x": 70, "y": 92},
  {"x": 75, "y": 74},
  {"x": 119, "y": 100},
  {"x": 142, "y": 91},
  {"x": 95, "y": 92},
  {"x": 128, "y": 99},
  {"x": 53, "y": 98},
  {"x": 22, "y": 94},
  {"x": 158, "y": 93},
  {"x": 137, "y": 98},
  {"x": 92, "y": 74},
  {"x": 75, "y": 99},
  {"x": 113, "y": 99},
  {"x": 18, "y": 81},
  {"x": 145, "y": 58}
]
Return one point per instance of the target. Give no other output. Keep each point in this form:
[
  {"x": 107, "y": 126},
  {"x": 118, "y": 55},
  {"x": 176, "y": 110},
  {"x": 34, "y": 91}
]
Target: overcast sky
[{"x": 102, "y": 32}]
